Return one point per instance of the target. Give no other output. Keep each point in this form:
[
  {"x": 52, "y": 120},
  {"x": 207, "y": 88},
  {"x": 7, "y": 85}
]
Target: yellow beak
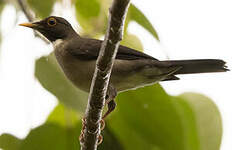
[{"x": 29, "y": 25}]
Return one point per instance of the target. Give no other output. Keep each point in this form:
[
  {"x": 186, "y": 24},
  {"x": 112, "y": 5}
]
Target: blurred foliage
[
  {"x": 42, "y": 8},
  {"x": 155, "y": 120},
  {"x": 132, "y": 41},
  {"x": 90, "y": 15},
  {"x": 88, "y": 8},
  {"x": 134, "y": 14},
  {"x": 146, "y": 118},
  {"x": 205, "y": 116},
  {"x": 53, "y": 79},
  {"x": 59, "y": 132},
  {"x": 1, "y": 5}
]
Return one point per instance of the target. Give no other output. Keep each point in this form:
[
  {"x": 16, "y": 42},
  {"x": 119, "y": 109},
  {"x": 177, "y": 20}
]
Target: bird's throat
[{"x": 57, "y": 43}]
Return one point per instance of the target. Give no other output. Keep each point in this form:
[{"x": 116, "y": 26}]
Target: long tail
[{"x": 198, "y": 66}]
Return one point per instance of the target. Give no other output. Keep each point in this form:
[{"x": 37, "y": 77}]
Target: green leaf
[
  {"x": 54, "y": 135},
  {"x": 9, "y": 142},
  {"x": 207, "y": 119},
  {"x": 51, "y": 77},
  {"x": 110, "y": 141},
  {"x": 63, "y": 116},
  {"x": 148, "y": 117},
  {"x": 60, "y": 132},
  {"x": 1, "y": 5},
  {"x": 88, "y": 8},
  {"x": 134, "y": 14},
  {"x": 42, "y": 8},
  {"x": 154, "y": 120},
  {"x": 68, "y": 118},
  {"x": 49, "y": 136}
]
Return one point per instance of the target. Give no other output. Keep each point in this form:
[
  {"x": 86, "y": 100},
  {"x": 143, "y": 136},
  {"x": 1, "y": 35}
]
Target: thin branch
[
  {"x": 29, "y": 15},
  {"x": 25, "y": 10},
  {"x": 102, "y": 73}
]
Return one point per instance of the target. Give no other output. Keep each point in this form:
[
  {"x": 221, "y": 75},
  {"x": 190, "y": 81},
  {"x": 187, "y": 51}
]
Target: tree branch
[
  {"x": 29, "y": 16},
  {"x": 102, "y": 73}
]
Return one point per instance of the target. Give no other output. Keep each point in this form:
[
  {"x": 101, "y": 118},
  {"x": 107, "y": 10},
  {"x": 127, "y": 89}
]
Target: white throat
[{"x": 57, "y": 43}]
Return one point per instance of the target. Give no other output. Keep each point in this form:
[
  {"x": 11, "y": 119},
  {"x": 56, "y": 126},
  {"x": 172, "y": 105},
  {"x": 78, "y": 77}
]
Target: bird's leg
[
  {"x": 112, "y": 93},
  {"x": 111, "y": 106}
]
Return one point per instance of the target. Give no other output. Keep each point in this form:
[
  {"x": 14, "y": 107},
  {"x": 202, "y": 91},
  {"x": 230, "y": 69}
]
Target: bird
[{"x": 132, "y": 69}]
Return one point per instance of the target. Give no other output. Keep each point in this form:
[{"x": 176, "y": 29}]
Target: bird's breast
[{"x": 79, "y": 72}]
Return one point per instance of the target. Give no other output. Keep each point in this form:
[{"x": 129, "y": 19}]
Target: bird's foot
[
  {"x": 111, "y": 94},
  {"x": 111, "y": 106},
  {"x": 100, "y": 137},
  {"x": 81, "y": 137},
  {"x": 103, "y": 124}
]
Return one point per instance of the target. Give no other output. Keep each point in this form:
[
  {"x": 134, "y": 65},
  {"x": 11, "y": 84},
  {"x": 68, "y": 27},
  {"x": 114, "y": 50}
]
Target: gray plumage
[{"x": 77, "y": 57}]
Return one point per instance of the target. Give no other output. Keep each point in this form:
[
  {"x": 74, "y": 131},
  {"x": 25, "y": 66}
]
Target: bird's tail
[{"x": 198, "y": 66}]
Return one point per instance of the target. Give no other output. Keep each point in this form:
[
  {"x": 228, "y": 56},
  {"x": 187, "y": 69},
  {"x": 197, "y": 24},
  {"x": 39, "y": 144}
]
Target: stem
[{"x": 102, "y": 73}]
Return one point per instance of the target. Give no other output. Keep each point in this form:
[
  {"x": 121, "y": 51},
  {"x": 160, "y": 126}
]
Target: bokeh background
[{"x": 32, "y": 86}]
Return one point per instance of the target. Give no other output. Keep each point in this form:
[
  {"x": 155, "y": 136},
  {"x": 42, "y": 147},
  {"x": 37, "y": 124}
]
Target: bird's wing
[{"x": 88, "y": 49}]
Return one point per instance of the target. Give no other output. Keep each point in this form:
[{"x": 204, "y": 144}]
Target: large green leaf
[
  {"x": 60, "y": 132},
  {"x": 110, "y": 141},
  {"x": 146, "y": 118},
  {"x": 1, "y": 5},
  {"x": 42, "y": 8},
  {"x": 205, "y": 117},
  {"x": 68, "y": 118},
  {"x": 49, "y": 74},
  {"x": 134, "y": 14},
  {"x": 151, "y": 119},
  {"x": 63, "y": 116},
  {"x": 51, "y": 136},
  {"x": 9, "y": 142}
]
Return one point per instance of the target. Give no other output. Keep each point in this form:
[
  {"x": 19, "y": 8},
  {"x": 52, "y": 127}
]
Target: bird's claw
[
  {"x": 81, "y": 137},
  {"x": 102, "y": 124},
  {"x": 100, "y": 137}
]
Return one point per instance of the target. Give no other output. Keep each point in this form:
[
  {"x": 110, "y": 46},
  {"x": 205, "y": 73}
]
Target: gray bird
[{"x": 132, "y": 69}]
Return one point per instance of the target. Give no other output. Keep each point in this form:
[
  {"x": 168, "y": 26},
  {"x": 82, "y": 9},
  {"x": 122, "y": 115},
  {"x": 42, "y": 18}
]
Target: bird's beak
[{"x": 29, "y": 25}]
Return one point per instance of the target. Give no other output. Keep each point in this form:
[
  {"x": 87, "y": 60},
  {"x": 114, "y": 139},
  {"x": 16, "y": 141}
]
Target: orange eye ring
[{"x": 51, "y": 22}]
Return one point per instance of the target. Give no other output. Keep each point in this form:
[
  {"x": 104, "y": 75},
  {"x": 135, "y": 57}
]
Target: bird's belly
[
  {"x": 80, "y": 73},
  {"x": 131, "y": 81}
]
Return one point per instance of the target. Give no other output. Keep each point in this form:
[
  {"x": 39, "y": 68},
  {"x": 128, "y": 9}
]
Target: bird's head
[{"x": 52, "y": 28}]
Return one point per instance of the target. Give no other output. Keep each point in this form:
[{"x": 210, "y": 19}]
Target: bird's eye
[{"x": 51, "y": 21}]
